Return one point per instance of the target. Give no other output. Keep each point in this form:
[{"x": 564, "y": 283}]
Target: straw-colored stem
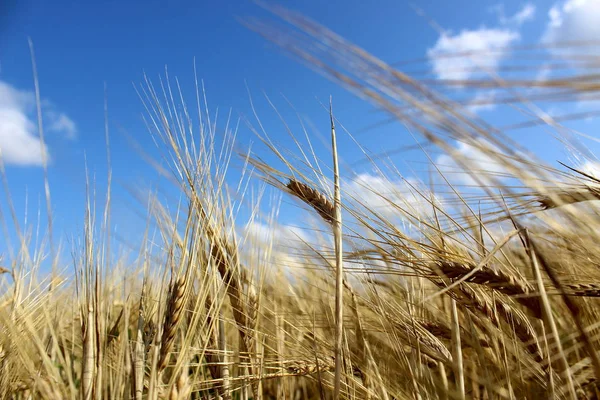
[{"x": 339, "y": 272}]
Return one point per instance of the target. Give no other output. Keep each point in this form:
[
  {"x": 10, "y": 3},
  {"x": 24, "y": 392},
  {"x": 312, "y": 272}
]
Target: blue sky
[{"x": 82, "y": 46}]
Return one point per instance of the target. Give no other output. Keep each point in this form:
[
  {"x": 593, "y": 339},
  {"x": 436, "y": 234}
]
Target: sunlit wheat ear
[
  {"x": 498, "y": 280},
  {"x": 172, "y": 317},
  {"x": 314, "y": 198}
]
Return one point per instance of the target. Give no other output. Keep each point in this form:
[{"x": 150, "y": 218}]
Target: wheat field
[{"x": 486, "y": 293}]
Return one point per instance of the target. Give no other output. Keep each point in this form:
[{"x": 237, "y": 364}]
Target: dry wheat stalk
[
  {"x": 173, "y": 315},
  {"x": 215, "y": 351},
  {"x": 339, "y": 262},
  {"x": 314, "y": 198},
  {"x": 87, "y": 368},
  {"x": 226, "y": 259},
  {"x": 139, "y": 353},
  {"x": 252, "y": 325}
]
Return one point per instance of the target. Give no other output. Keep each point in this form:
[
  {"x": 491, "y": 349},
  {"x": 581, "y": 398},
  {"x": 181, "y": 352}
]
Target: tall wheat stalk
[{"x": 339, "y": 262}]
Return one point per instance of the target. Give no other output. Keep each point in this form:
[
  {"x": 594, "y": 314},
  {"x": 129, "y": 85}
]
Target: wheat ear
[
  {"x": 173, "y": 314},
  {"x": 497, "y": 280},
  {"x": 565, "y": 197},
  {"x": 317, "y": 200}
]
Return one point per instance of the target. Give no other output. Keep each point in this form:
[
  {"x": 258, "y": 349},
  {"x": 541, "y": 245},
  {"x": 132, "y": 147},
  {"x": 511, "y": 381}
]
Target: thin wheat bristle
[{"x": 317, "y": 200}]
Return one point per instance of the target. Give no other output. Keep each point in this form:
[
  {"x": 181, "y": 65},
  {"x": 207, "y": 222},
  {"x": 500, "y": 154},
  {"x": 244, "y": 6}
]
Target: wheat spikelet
[
  {"x": 498, "y": 280},
  {"x": 582, "y": 289},
  {"x": 442, "y": 331},
  {"x": 568, "y": 197},
  {"x": 302, "y": 367},
  {"x": 416, "y": 336},
  {"x": 173, "y": 314},
  {"x": 314, "y": 198},
  {"x": 565, "y": 197}
]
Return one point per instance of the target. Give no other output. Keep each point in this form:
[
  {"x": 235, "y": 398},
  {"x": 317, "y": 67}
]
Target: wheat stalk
[{"x": 339, "y": 272}]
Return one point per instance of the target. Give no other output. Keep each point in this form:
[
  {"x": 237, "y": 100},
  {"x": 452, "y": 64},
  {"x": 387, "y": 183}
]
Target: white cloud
[
  {"x": 573, "y": 20},
  {"x": 460, "y": 56},
  {"x": 388, "y": 197},
  {"x": 19, "y": 144},
  {"x": 281, "y": 246},
  {"x": 275, "y": 234},
  {"x": 575, "y": 23},
  {"x": 19, "y": 141},
  {"x": 474, "y": 159}
]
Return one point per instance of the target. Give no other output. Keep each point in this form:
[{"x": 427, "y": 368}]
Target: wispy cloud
[
  {"x": 526, "y": 13},
  {"x": 19, "y": 141},
  {"x": 61, "y": 123},
  {"x": 460, "y": 56},
  {"x": 473, "y": 53}
]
